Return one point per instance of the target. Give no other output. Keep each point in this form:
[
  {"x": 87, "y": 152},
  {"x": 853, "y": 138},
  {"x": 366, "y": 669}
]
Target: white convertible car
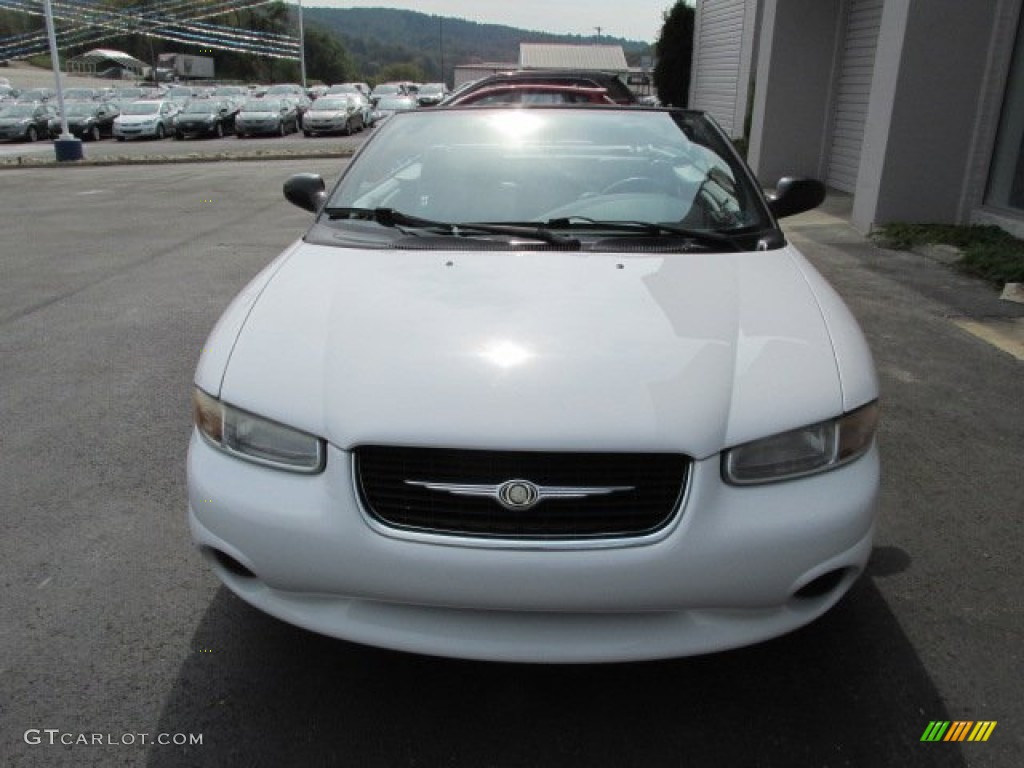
[{"x": 539, "y": 384}]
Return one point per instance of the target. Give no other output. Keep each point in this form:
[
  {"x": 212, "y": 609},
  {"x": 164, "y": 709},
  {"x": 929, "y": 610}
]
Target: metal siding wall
[
  {"x": 853, "y": 92},
  {"x": 717, "y": 65}
]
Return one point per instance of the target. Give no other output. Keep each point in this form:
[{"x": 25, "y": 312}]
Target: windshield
[
  {"x": 201, "y": 108},
  {"x": 18, "y": 110},
  {"x": 330, "y": 105},
  {"x": 141, "y": 108},
  {"x": 79, "y": 108},
  {"x": 569, "y": 168},
  {"x": 262, "y": 105}
]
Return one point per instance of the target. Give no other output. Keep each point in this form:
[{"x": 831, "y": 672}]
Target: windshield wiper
[
  {"x": 651, "y": 228},
  {"x": 389, "y": 217}
]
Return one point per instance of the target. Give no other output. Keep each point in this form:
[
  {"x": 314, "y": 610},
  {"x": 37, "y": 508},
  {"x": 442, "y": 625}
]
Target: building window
[{"x": 1006, "y": 176}]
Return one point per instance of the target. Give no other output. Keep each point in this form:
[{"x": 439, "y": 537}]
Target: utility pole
[
  {"x": 302, "y": 47},
  {"x": 598, "y": 35},
  {"x": 440, "y": 38}
]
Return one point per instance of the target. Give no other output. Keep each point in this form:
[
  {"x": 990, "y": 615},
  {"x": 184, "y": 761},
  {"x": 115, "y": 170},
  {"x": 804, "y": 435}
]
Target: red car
[{"x": 534, "y": 93}]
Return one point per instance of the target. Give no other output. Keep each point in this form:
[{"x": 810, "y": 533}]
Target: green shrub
[{"x": 988, "y": 251}]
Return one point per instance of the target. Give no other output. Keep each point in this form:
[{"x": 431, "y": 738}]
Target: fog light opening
[
  {"x": 231, "y": 565},
  {"x": 822, "y": 585}
]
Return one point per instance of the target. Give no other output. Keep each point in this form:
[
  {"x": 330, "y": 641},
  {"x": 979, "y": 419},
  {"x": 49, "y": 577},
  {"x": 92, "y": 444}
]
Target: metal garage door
[
  {"x": 718, "y": 58},
  {"x": 853, "y": 91}
]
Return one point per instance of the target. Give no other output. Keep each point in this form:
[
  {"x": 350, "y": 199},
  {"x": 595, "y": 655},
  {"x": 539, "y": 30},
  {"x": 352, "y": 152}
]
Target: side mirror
[
  {"x": 306, "y": 190},
  {"x": 795, "y": 195}
]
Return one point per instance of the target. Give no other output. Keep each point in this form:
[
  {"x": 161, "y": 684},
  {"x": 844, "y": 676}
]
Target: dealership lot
[{"x": 112, "y": 626}]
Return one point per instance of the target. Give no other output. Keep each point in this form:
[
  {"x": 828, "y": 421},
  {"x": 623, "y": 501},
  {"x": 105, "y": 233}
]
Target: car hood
[
  {"x": 8, "y": 121},
  {"x": 136, "y": 119},
  {"x": 533, "y": 350}
]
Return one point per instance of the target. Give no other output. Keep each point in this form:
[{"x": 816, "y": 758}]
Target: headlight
[
  {"x": 805, "y": 451},
  {"x": 256, "y": 439}
]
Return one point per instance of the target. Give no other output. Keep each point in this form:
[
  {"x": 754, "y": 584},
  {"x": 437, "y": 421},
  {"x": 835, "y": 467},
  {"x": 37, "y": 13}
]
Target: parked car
[
  {"x": 88, "y": 120},
  {"x": 365, "y": 108},
  {"x": 333, "y": 114},
  {"x": 362, "y": 88},
  {"x": 180, "y": 94},
  {"x": 293, "y": 92},
  {"x": 233, "y": 92},
  {"x": 531, "y": 93},
  {"x": 388, "y": 90},
  {"x": 618, "y": 91},
  {"x": 431, "y": 94},
  {"x": 126, "y": 95},
  {"x": 542, "y": 384},
  {"x": 205, "y": 117},
  {"x": 82, "y": 94},
  {"x": 389, "y": 105},
  {"x": 145, "y": 119},
  {"x": 267, "y": 115},
  {"x": 30, "y": 95},
  {"x": 25, "y": 121}
]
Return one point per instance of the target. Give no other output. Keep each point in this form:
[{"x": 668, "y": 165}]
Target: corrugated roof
[{"x": 546, "y": 56}]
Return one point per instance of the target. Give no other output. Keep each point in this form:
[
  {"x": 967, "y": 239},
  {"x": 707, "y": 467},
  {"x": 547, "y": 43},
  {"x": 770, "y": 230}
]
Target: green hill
[{"x": 378, "y": 37}]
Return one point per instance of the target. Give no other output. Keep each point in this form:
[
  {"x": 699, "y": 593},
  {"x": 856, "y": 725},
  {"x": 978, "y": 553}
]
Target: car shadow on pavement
[{"x": 847, "y": 690}]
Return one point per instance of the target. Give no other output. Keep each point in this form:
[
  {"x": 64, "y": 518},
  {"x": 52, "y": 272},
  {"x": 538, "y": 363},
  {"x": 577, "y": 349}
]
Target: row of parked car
[{"x": 186, "y": 111}]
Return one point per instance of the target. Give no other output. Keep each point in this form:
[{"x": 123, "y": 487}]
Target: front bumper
[
  {"x": 258, "y": 128},
  {"x": 136, "y": 131},
  {"x": 726, "y": 573},
  {"x": 196, "y": 129},
  {"x": 14, "y": 133}
]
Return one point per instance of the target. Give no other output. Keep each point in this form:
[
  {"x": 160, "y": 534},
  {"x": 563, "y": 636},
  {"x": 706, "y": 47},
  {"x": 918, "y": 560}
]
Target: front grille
[{"x": 658, "y": 481}]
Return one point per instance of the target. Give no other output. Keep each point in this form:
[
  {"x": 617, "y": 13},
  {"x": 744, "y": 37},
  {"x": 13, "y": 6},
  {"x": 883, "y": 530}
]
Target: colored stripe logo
[{"x": 958, "y": 730}]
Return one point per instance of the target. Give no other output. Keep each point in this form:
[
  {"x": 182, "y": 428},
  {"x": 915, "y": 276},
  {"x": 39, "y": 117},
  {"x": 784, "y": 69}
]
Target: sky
[{"x": 630, "y": 19}]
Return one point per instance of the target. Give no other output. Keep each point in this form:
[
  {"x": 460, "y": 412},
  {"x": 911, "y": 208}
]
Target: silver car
[
  {"x": 333, "y": 114},
  {"x": 268, "y": 115},
  {"x": 153, "y": 119}
]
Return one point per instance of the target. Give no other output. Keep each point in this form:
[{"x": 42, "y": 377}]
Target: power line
[{"x": 86, "y": 24}]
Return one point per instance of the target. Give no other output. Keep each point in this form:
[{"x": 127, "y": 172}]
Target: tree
[
  {"x": 675, "y": 54},
  {"x": 326, "y": 58},
  {"x": 400, "y": 71}
]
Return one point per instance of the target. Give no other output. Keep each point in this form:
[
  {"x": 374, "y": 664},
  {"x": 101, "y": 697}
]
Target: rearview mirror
[
  {"x": 795, "y": 195},
  {"x": 306, "y": 190}
]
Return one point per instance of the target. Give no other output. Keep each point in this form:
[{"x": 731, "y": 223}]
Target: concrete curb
[{"x": 16, "y": 162}]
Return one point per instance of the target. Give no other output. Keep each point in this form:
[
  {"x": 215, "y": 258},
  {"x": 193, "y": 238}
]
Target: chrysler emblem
[{"x": 520, "y": 495}]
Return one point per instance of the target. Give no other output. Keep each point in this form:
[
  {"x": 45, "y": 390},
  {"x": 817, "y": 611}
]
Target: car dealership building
[{"x": 913, "y": 107}]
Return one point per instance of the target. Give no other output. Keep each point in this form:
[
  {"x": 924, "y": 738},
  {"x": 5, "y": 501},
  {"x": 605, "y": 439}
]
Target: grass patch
[{"x": 988, "y": 251}]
